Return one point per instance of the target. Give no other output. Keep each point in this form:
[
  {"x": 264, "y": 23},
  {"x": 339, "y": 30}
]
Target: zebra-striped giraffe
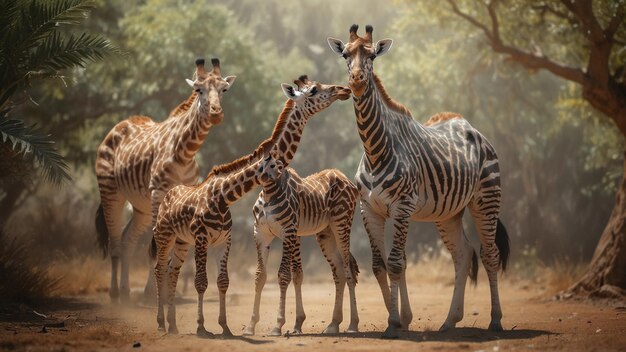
[
  {"x": 423, "y": 173},
  {"x": 200, "y": 215},
  {"x": 289, "y": 206},
  {"x": 140, "y": 160}
]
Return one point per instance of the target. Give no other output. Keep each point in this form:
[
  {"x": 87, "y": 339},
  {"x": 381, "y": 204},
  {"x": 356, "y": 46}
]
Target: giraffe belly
[{"x": 308, "y": 227}]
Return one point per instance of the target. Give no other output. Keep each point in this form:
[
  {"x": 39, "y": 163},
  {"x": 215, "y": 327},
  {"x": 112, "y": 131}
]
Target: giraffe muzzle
[
  {"x": 357, "y": 87},
  {"x": 216, "y": 118}
]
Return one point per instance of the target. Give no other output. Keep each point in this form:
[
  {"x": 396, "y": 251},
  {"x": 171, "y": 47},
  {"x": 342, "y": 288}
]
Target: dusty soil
[{"x": 531, "y": 321}]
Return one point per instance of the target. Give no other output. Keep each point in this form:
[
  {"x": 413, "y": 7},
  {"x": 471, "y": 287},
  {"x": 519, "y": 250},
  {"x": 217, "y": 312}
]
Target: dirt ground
[{"x": 531, "y": 320}]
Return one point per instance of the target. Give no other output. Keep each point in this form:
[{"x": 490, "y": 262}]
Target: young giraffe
[
  {"x": 140, "y": 160},
  {"x": 422, "y": 173},
  {"x": 200, "y": 215},
  {"x": 322, "y": 204}
]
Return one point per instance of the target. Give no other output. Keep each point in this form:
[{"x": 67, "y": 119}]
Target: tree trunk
[{"x": 606, "y": 274}]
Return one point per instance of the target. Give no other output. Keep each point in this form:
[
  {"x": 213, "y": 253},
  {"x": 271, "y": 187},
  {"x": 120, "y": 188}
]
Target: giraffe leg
[
  {"x": 375, "y": 227},
  {"x": 341, "y": 224},
  {"x": 165, "y": 242},
  {"x": 328, "y": 245},
  {"x": 138, "y": 224},
  {"x": 201, "y": 281},
  {"x": 296, "y": 263},
  {"x": 156, "y": 197},
  {"x": 223, "y": 281},
  {"x": 113, "y": 209},
  {"x": 263, "y": 242},
  {"x": 396, "y": 267},
  {"x": 406, "y": 315},
  {"x": 453, "y": 237},
  {"x": 284, "y": 277},
  {"x": 177, "y": 259},
  {"x": 485, "y": 210}
]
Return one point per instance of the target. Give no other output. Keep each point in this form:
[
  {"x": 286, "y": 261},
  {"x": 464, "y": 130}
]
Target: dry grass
[
  {"x": 22, "y": 278},
  {"x": 80, "y": 275}
]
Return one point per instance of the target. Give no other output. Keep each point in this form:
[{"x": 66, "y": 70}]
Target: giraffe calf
[{"x": 289, "y": 206}]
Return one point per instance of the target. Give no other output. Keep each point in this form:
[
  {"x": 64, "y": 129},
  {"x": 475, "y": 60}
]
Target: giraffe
[
  {"x": 322, "y": 204},
  {"x": 140, "y": 160},
  {"x": 200, "y": 215},
  {"x": 423, "y": 173}
]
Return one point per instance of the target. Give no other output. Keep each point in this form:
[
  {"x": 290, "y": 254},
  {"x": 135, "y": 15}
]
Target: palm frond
[
  {"x": 58, "y": 53},
  {"x": 25, "y": 139},
  {"x": 41, "y": 18}
]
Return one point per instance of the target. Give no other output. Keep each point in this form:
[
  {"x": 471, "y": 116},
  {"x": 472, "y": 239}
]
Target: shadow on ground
[{"x": 455, "y": 335}]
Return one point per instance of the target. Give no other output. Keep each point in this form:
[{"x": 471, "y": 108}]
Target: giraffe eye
[
  {"x": 198, "y": 90},
  {"x": 273, "y": 166},
  {"x": 313, "y": 90}
]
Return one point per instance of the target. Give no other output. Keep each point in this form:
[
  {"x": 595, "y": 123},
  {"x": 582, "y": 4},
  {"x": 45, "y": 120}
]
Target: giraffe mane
[
  {"x": 184, "y": 106},
  {"x": 389, "y": 101},
  {"x": 264, "y": 147}
]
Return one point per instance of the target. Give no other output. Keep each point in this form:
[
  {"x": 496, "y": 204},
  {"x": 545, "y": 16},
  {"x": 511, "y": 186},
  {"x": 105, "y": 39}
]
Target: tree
[
  {"x": 34, "y": 46},
  {"x": 579, "y": 41}
]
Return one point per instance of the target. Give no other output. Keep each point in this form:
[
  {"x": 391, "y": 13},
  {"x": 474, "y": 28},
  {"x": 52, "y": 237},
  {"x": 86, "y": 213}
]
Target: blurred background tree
[
  {"x": 561, "y": 159},
  {"x": 36, "y": 44}
]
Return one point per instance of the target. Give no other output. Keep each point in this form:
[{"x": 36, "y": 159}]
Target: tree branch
[{"x": 526, "y": 59}]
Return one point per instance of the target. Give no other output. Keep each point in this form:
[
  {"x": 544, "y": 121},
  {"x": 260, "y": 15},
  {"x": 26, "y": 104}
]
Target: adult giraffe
[
  {"x": 410, "y": 171},
  {"x": 140, "y": 160}
]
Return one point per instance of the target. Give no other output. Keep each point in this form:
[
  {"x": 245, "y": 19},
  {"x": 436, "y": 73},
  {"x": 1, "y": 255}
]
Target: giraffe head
[
  {"x": 312, "y": 96},
  {"x": 270, "y": 169},
  {"x": 360, "y": 53},
  {"x": 209, "y": 87}
]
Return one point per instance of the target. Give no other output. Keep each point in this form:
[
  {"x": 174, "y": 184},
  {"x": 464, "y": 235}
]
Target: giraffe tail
[
  {"x": 354, "y": 268},
  {"x": 502, "y": 242},
  {"x": 152, "y": 251},
  {"x": 102, "y": 232},
  {"x": 473, "y": 274}
]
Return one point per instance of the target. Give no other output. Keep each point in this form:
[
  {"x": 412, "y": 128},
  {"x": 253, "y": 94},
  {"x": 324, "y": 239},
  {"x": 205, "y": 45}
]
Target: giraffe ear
[
  {"x": 190, "y": 82},
  {"x": 382, "y": 46},
  {"x": 336, "y": 45},
  {"x": 230, "y": 80},
  {"x": 289, "y": 91}
]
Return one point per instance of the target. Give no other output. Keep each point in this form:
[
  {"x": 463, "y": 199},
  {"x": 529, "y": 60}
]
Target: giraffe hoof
[
  {"x": 390, "y": 333},
  {"x": 161, "y": 328},
  {"x": 332, "y": 328},
  {"x": 353, "y": 329},
  {"x": 201, "y": 332},
  {"x": 172, "y": 330},
  {"x": 226, "y": 332},
  {"x": 296, "y": 331},
  {"x": 445, "y": 327},
  {"x": 495, "y": 326},
  {"x": 275, "y": 332},
  {"x": 248, "y": 331}
]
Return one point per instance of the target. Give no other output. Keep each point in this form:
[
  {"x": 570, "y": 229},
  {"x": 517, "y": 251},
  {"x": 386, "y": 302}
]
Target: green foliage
[
  {"x": 33, "y": 46},
  {"x": 28, "y": 139}
]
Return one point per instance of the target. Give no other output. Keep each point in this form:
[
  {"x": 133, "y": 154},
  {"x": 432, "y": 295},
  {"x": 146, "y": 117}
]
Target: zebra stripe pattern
[
  {"x": 289, "y": 207},
  {"x": 431, "y": 172}
]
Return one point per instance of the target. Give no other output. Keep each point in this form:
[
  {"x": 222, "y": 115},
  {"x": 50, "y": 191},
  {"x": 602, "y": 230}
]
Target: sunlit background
[{"x": 560, "y": 159}]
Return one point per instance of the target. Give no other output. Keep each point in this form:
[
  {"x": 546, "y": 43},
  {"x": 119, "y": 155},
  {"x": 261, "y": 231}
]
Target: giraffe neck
[
  {"x": 192, "y": 125},
  {"x": 287, "y": 142},
  {"x": 238, "y": 183},
  {"x": 274, "y": 190},
  {"x": 379, "y": 119}
]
